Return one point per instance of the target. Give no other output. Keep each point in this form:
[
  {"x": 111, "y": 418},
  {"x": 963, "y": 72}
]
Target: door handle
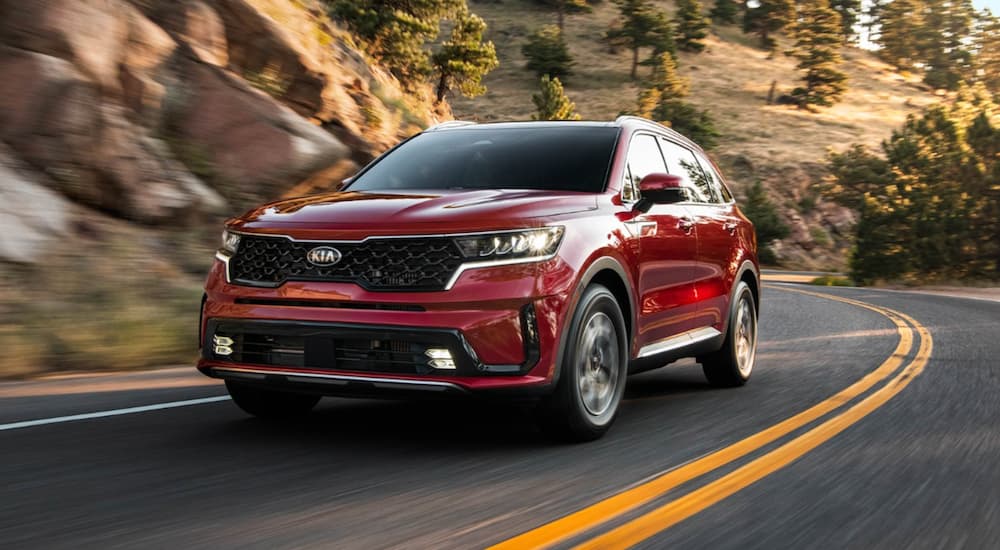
[
  {"x": 731, "y": 227},
  {"x": 685, "y": 225}
]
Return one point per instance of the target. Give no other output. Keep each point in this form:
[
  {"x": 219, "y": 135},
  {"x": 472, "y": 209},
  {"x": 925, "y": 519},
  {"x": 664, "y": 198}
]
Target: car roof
[{"x": 627, "y": 122}]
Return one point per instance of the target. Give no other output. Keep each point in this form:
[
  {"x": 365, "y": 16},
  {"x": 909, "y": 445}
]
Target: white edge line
[{"x": 113, "y": 412}]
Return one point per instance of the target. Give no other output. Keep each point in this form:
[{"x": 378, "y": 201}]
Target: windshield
[{"x": 568, "y": 158}]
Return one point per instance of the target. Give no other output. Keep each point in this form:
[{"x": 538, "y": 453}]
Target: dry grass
[{"x": 731, "y": 78}]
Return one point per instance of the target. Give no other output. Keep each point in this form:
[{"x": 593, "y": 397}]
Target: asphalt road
[{"x": 919, "y": 469}]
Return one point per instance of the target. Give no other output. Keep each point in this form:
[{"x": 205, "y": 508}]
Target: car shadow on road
[{"x": 450, "y": 425}]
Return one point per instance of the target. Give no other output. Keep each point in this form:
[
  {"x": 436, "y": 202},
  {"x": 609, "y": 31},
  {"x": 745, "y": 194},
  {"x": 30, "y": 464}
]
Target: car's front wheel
[
  {"x": 731, "y": 366},
  {"x": 593, "y": 371},
  {"x": 269, "y": 403}
]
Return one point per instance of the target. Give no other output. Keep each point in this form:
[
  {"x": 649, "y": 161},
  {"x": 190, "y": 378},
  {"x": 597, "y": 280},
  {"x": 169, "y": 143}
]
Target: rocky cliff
[{"x": 129, "y": 129}]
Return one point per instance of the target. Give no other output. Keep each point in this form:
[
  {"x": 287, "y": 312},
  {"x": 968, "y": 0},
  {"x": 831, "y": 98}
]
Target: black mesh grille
[{"x": 376, "y": 264}]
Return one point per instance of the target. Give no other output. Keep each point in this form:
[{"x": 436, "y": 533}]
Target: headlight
[
  {"x": 529, "y": 243},
  {"x": 230, "y": 241}
]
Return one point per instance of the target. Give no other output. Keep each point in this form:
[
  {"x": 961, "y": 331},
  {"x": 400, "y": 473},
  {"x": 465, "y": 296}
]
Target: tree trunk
[
  {"x": 635, "y": 61},
  {"x": 560, "y": 10},
  {"x": 442, "y": 87},
  {"x": 770, "y": 93}
]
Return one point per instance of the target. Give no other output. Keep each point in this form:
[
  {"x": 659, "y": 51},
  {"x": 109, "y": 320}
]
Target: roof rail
[
  {"x": 450, "y": 124},
  {"x": 654, "y": 124}
]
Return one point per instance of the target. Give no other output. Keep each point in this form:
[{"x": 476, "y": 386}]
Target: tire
[
  {"x": 593, "y": 370},
  {"x": 272, "y": 404},
  {"x": 732, "y": 365}
]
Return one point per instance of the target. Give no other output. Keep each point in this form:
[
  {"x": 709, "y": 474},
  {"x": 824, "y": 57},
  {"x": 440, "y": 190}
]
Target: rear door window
[{"x": 720, "y": 193}]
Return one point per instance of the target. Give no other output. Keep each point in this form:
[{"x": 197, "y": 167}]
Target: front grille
[{"x": 423, "y": 264}]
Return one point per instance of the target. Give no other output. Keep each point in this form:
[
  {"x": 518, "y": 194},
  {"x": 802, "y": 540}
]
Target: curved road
[{"x": 863, "y": 427}]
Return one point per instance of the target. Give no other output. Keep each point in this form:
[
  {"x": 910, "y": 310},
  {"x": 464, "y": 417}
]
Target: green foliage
[
  {"x": 817, "y": 48},
  {"x": 547, "y": 53},
  {"x": 899, "y": 24},
  {"x": 986, "y": 42},
  {"x": 764, "y": 215},
  {"x": 831, "y": 280},
  {"x": 769, "y": 17},
  {"x": 690, "y": 26},
  {"x": 551, "y": 102},
  {"x": 564, "y": 7},
  {"x": 848, "y": 10},
  {"x": 932, "y": 211},
  {"x": 661, "y": 100},
  {"x": 641, "y": 25},
  {"x": 395, "y": 31},
  {"x": 464, "y": 59},
  {"x": 942, "y": 42},
  {"x": 854, "y": 174},
  {"x": 724, "y": 12}
]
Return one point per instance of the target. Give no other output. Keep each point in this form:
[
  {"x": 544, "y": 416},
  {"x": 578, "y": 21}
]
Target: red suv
[{"x": 540, "y": 259}]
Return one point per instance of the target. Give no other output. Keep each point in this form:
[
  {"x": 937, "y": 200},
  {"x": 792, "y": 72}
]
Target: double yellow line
[{"x": 662, "y": 517}]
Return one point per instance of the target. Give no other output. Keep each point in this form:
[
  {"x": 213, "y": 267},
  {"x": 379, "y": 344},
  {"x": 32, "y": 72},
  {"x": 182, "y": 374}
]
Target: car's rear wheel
[
  {"x": 732, "y": 365},
  {"x": 593, "y": 371},
  {"x": 267, "y": 403}
]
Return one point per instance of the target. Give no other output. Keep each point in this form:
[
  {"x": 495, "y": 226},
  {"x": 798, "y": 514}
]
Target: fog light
[
  {"x": 440, "y": 358},
  {"x": 223, "y": 345}
]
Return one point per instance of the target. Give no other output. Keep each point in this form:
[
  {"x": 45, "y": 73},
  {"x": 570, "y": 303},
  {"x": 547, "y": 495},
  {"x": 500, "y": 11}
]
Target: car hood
[{"x": 416, "y": 211}]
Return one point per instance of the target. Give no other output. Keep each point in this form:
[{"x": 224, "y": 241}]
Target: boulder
[
  {"x": 194, "y": 23},
  {"x": 91, "y": 34},
  {"x": 246, "y": 136},
  {"x": 32, "y": 216}
]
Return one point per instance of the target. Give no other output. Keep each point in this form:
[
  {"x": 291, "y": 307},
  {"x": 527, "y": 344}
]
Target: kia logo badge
[{"x": 323, "y": 256}]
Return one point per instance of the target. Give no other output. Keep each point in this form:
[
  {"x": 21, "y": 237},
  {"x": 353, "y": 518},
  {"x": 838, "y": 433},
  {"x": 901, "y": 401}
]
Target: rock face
[{"x": 157, "y": 112}]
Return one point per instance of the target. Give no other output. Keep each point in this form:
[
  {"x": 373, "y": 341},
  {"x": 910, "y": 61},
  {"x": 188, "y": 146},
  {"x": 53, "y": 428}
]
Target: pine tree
[
  {"x": 817, "y": 47},
  {"x": 465, "y": 58},
  {"x": 662, "y": 101},
  {"x": 547, "y": 53},
  {"x": 849, "y": 10},
  {"x": 396, "y": 31},
  {"x": 769, "y": 17},
  {"x": 564, "y": 7},
  {"x": 690, "y": 26},
  {"x": 942, "y": 42},
  {"x": 641, "y": 25},
  {"x": 551, "y": 102},
  {"x": 987, "y": 46},
  {"x": 724, "y": 12},
  {"x": 900, "y": 23}
]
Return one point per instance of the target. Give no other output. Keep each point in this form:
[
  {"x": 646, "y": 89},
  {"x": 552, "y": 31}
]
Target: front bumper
[{"x": 339, "y": 339}]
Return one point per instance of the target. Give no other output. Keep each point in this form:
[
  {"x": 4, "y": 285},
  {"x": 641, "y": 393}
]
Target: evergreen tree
[
  {"x": 724, "y": 12},
  {"x": 849, "y": 10},
  {"x": 551, "y": 102},
  {"x": 547, "y": 53},
  {"x": 987, "y": 46},
  {"x": 931, "y": 210},
  {"x": 900, "y": 22},
  {"x": 641, "y": 25},
  {"x": 817, "y": 47},
  {"x": 769, "y": 17},
  {"x": 943, "y": 42},
  {"x": 396, "y": 31},
  {"x": 465, "y": 58},
  {"x": 690, "y": 26},
  {"x": 662, "y": 101},
  {"x": 768, "y": 225},
  {"x": 564, "y": 7}
]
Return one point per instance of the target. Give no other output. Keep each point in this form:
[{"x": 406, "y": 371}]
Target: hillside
[{"x": 781, "y": 145}]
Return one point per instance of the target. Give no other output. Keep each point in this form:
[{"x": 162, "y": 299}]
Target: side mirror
[{"x": 659, "y": 188}]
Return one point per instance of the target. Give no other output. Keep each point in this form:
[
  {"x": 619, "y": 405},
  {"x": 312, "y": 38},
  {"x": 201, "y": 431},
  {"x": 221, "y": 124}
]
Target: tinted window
[
  {"x": 644, "y": 158},
  {"x": 682, "y": 162},
  {"x": 565, "y": 158},
  {"x": 719, "y": 189}
]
